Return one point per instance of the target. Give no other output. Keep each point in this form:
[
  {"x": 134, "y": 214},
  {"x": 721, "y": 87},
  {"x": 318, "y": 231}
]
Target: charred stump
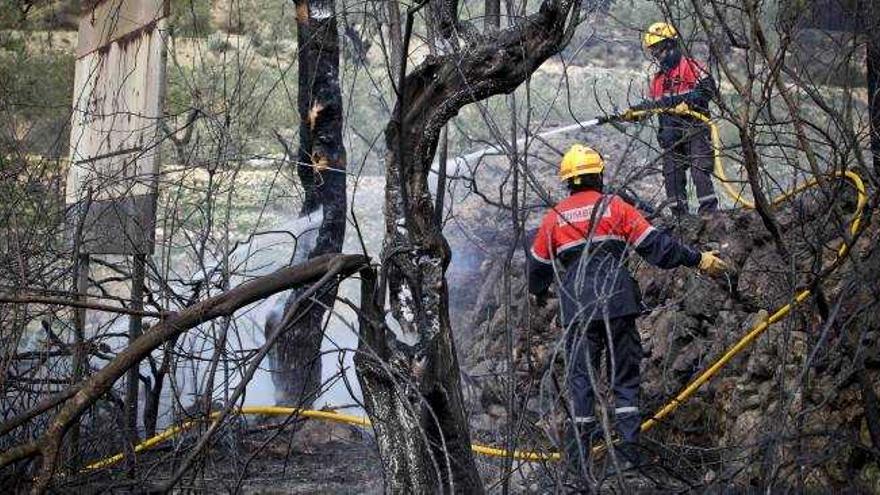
[{"x": 320, "y": 165}]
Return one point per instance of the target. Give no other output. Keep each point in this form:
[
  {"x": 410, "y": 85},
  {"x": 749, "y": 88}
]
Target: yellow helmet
[
  {"x": 657, "y": 32},
  {"x": 580, "y": 160}
]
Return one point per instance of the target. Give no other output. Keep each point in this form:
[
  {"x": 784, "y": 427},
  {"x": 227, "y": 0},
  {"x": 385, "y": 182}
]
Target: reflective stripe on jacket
[{"x": 594, "y": 280}]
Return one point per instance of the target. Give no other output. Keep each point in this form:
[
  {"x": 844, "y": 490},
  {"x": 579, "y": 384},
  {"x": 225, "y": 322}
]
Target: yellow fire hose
[
  {"x": 800, "y": 297},
  {"x": 302, "y": 413},
  {"x": 663, "y": 412}
]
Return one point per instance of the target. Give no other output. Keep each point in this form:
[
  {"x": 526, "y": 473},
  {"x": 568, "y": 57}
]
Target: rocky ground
[{"x": 793, "y": 410}]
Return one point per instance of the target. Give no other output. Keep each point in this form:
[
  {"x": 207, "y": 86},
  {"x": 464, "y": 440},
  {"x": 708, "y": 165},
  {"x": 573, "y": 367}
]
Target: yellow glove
[{"x": 712, "y": 265}]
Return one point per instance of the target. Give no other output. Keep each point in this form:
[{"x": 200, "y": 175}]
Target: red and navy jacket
[
  {"x": 587, "y": 236},
  {"x": 688, "y": 82}
]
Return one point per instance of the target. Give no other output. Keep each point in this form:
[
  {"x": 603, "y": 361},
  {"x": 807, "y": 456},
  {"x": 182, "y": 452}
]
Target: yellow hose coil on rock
[{"x": 800, "y": 297}]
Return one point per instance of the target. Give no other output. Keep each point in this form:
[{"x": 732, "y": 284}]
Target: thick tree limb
[
  {"x": 384, "y": 377},
  {"x": 49, "y": 444}
]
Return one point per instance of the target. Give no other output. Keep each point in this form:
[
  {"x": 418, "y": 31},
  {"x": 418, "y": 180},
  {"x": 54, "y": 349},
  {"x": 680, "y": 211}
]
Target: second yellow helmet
[
  {"x": 580, "y": 160},
  {"x": 657, "y": 32}
]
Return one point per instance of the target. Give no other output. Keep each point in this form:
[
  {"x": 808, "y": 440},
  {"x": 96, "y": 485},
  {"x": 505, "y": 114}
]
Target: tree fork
[{"x": 416, "y": 256}]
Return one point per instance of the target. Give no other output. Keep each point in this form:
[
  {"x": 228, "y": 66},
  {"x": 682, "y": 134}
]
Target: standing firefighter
[
  {"x": 587, "y": 237},
  {"x": 681, "y": 83}
]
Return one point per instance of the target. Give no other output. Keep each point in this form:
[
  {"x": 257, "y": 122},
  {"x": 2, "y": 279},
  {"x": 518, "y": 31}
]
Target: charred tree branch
[{"x": 225, "y": 304}]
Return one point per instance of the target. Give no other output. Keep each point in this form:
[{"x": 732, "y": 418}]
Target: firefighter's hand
[
  {"x": 712, "y": 265},
  {"x": 633, "y": 114}
]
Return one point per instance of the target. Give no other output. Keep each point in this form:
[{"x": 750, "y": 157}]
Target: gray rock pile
[{"x": 798, "y": 408}]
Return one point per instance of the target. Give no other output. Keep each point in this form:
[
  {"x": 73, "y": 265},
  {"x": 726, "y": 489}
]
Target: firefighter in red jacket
[
  {"x": 685, "y": 140},
  {"x": 585, "y": 240}
]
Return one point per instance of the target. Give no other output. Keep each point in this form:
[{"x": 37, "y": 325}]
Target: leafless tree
[{"x": 794, "y": 410}]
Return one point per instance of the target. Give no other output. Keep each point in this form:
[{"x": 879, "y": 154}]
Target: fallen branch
[{"x": 48, "y": 446}]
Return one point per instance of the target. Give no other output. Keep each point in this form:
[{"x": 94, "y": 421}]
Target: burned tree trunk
[
  {"x": 320, "y": 166},
  {"x": 412, "y": 392}
]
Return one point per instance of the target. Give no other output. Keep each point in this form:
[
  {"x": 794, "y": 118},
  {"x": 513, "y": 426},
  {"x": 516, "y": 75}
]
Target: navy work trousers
[
  {"x": 586, "y": 345},
  {"x": 694, "y": 152}
]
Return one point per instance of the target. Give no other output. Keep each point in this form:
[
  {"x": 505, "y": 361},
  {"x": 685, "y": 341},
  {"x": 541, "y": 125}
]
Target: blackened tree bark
[
  {"x": 412, "y": 392},
  {"x": 320, "y": 165}
]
